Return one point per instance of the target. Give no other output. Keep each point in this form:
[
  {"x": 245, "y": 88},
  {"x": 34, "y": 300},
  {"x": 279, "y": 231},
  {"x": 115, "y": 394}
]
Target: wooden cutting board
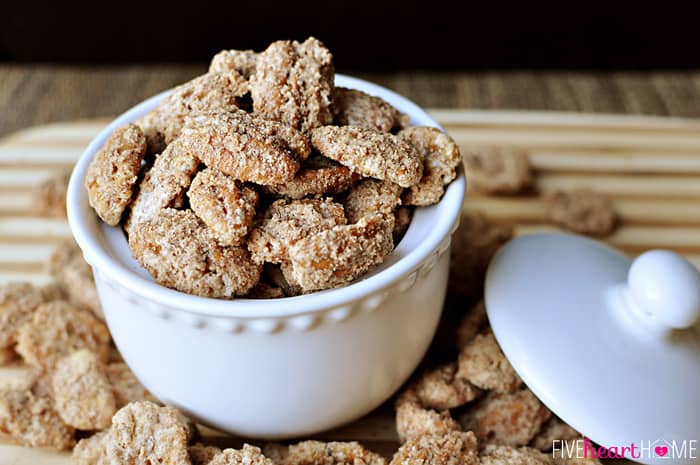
[{"x": 649, "y": 167}]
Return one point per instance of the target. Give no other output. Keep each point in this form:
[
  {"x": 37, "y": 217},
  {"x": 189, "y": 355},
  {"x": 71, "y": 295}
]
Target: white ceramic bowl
[{"x": 274, "y": 368}]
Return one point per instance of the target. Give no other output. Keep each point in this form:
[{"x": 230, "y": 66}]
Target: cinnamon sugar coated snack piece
[
  {"x": 372, "y": 196},
  {"x": 17, "y": 304},
  {"x": 353, "y": 107},
  {"x": 553, "y": 430},
  {"x": 498, "y": 170},
  {"x": 242, "y": 61},
  {"x": 74, "y": 276},
  {"x": 319, "y": 176},
  {"x": 112, "y": 174},
  {"x": 287, "y": 222},
  {"x": 57, "y": 329},
  {"x": 82, "y": 393},
  {"x": 91, "y": 450},
  {"x": 322, "y": 453},
  {"x": 581, "y": 211},
  {"x": 370, "y": 153},
  {"x": 483, "y": 364},
  {"x": 441, "y": 389},
  {"x": 247, "y": 455},
  {"x": 210, "y": 93},
  {"x": 125, "y": 386},
  {"x": 226, "y": 206},
  {"x": 507, "y": 455},
  {"x": 49, "y": 197},
  {"x": 441, "y": 158},
  {"x": 452, "y": 448},
  {"x": 28, "y": 417},
  {"x": 177, "y": 250},
  {"x": 339, "y": 255},
  {"x": 293, "y": 84},
  {"x": 510, "y": 419},
  {"x": 143, "y": 432},
  {"x": 414, "y": 420}
]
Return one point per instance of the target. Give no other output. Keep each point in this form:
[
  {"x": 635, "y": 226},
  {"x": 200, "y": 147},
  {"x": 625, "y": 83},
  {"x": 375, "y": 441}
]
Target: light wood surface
[{"x": 649, "y": 167}]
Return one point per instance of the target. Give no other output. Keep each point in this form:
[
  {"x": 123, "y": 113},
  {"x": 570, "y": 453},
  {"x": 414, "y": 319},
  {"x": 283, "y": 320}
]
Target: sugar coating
[
  {"x": 287, "y": 222},
  {"x": 452, "y": 448},
  {"x": 91, "y": 450},
  {"x": 510, "y": 419},
  {"x": 143, "y": 433},
  {"x": 178, "y": 251},
  {"x": 293, "y": 84},
  {"x": 472, "y": 323},
  {"x": 217, "y": 92},
  {"x": 74, "y": 276},
  {"x": 317, "y": 177},
  {"x": 201, "y": 454},
  {"x": 507, "y": 455},
  {"x": 498, "y": 170},
  {"x": 553, "y": 430},
  {"x": 242, "y": 61},
  {"x": 17, "y": 304},
  {"x": 113, "y": 172},
  {"x": 248, "y": 455},
  {"x": 125, "y": 386},
  {"x": 353, "y": 107},
  {"x": 28, "y": 417},
  {"x": 483, "y": 364},
  {"x": 49, "y": 197},
  {"x": 372, "y": 196},
  {"x": 164, "y": 184},
  {"x": 414, "y": 420},
  {"x": 473, "y": 245},
  {"x": 441, "y": 389},
  {"x": 370, "y": 153},
  {"x": 82, "y": 393},
  {"x": 226, "y": 206},
  {"x": 323, "y": 453},
  {"x": 440, "y": 156},
  {"x": 581, "y": 211},
  {"x": 57, "y": 329},
  {"x": 246, "y": 148},
  {"x": 402, "y": 220},
  {"x": 339, "y": 255}
]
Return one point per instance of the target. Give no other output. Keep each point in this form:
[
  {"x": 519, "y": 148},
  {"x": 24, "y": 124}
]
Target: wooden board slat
[{"x": 649, "y": 167}]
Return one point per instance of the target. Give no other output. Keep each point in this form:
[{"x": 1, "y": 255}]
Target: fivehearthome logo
[{"x": 584, "y": 448}]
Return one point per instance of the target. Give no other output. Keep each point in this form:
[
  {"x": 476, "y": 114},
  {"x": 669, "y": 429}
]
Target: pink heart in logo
[{"x": 661, "y": 450}]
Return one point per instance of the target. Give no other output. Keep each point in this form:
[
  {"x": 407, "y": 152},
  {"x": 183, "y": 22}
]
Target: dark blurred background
[{"x": 364, "y": 35}]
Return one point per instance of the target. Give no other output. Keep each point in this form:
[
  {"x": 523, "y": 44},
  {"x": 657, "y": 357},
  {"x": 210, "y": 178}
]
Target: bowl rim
[{"x": 115, "y": 271}]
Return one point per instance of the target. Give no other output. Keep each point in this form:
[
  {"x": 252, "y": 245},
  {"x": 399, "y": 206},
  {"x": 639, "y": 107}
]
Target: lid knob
[{"x": 666, "y": 287}]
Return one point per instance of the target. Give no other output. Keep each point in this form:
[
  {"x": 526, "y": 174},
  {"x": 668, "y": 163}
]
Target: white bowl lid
[{"x": 609, "y": 345}]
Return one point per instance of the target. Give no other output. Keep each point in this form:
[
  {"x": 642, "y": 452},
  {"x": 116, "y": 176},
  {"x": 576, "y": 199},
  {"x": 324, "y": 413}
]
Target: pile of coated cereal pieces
[{"x": 261, "y": 179}]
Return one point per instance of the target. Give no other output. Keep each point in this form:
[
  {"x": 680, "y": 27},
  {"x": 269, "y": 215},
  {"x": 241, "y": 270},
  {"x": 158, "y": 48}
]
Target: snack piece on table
[
  {"x": 353, "y": 107},
  {"x": 143, "y": 432},
  {"x": 402, "y": 220},
  {"x": 472, "y": 324},
  {"x": 413, "y": 420},
  {"x": 201, "y": 454},
  {"x": 372, "y": 196},
  {"x": 218, "y": 92},
  {"x": 293, "y": 84},
  {"x": 582, "y": 211},
  {"x": 318, "y": 176},
  {"x": 370, "y": 153},
  {"x": 57, "y": 329},
  {"x": 441, "y": 388},
  {"x": 287, "y": 222},
  {"x": 125, "y": 386},
  {"x": 339, "y": 255},
  {"x": 452, "y": 448},
  {"x": 482, "y": 363},
  {"x": 179, "y": 253},
  {"x": 497, "y": 170},
  {"x": 242, "y": 61},
  {"x": 17, "y": 304},
  {"x": 507, "y": 455},
  {"x": 92, "y": 450},
  {"x": 49, "y": 197},
  {"x": 112, "y": 174},
  {"x": 247, "y": 455},
  {"x": 225, "y": 205},
  {"x": 553, "y": 430},
  {"x": 27, "y": 415},
  {"x": 440, "y": 157},
  {"x": 73, "y": 274},
  {"x": 322, "y": 453},
  {"x": 510, "y": 419},
  {"x": 82, "y": 393}
]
